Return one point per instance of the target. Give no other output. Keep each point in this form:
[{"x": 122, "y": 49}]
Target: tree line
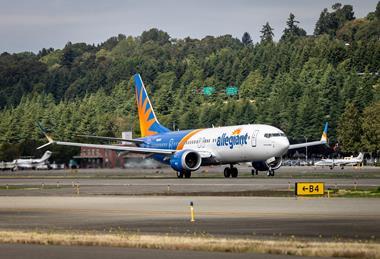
[{"x": 295, "y": 84}]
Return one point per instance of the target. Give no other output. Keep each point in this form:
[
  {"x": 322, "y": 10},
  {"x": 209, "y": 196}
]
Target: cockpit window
[{"x": 270, "y": 135}]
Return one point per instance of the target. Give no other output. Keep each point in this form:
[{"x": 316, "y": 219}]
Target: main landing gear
[
  {"x": 256, "y": 172},
  {"x": 186, "y": 174},
  {"x": 270, "y": 172},
  {"x": 231, "y": 171}
]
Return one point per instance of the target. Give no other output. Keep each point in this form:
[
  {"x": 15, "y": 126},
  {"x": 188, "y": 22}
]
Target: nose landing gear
[
  {"x": 231, "y": 171},
  {"x": 254, "y": 172}
]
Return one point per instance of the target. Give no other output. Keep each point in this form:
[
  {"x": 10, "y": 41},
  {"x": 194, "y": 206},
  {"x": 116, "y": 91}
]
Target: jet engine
[
  {"x": 185, "y": 160},
  {"x": 272, "y": 163}
]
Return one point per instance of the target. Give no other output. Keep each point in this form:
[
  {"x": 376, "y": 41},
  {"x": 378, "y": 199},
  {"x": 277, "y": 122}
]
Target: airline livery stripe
[{"x": 186, "y": 138}]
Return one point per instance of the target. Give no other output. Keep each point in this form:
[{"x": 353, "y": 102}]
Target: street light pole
[{"x": 306, "y": 148}]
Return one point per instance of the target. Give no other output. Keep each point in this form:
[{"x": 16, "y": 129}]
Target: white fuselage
[
  {"x": 32, "y": 163},
  {"x": 340, "y": 162},
  {"x": 242, "y": 143}
]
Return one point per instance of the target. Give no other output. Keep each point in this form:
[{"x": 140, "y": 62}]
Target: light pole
[{"x": 306, "y": 148}]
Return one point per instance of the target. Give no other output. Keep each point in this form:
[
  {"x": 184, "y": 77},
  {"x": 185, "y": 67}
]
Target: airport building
[
  {"x": 102, "y": 158},
  {"x": 98, "y": 158}
]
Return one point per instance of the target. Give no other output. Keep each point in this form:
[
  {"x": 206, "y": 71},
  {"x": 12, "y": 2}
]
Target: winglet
[
  {"x": 324, "y": 137},
  {"x": 49, "y": 138}
]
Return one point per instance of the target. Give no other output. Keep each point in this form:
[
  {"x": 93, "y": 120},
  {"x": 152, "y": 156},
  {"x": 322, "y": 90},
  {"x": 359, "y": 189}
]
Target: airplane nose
[{"x": 283, "y": 145}]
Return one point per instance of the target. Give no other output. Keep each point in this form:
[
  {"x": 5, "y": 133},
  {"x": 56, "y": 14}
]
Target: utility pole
[{"x": 306, "y": 148}]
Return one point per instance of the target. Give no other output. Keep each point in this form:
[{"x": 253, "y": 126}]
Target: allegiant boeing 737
[{"x": 187, "y": 150}]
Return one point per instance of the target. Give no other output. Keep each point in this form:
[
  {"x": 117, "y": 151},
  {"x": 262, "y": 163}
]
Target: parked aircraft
[
  {"x": 32, "y": 163},
  {"x": 187, "y": 150},
  {"x": 341, "y": 162}
]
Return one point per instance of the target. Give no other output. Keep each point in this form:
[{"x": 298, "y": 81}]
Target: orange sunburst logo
[
  {"x": 236, "y": 132},
  {"x": 144, "y": 113}
]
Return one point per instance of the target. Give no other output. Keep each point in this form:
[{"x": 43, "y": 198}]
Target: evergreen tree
[
  {"x": 266, "y": 34},
  {"x": 371, "y": 128},
  {"x": 292, "y": 30},
  {"x": 349, "y": 129},
  {"x": 246, "y": 39}
]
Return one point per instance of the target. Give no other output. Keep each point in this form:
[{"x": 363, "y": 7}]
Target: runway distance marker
[{"x": 310, "y": 188}]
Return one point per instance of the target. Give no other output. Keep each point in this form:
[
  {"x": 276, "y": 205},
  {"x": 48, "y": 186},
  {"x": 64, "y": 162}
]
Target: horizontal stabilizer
[
  {"x": 323, "y": 141},
  {"x": 45, "y": 145}
]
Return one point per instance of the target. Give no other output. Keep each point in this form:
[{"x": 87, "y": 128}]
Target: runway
[
  {"x": 167, "y": 186},
  {"x": 155, "y": 202},
  {"x": 221, "y": 216}
]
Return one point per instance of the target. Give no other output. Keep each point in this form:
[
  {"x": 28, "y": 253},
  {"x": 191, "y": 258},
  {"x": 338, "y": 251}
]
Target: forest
[{"x": 296, "y": 83}]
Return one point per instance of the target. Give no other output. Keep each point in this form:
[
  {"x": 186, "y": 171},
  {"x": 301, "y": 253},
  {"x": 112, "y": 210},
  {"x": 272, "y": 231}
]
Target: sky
[{"x": 30, "y": 25}]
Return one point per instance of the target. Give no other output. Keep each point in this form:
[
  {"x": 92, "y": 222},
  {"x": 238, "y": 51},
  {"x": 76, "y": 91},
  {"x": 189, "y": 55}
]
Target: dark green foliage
[
  {"x": 329, "y": 23},
  {"x": 349, "y": 130},
  {"x": 296, "y": 84},
  {"x": 155, "y": 35},
  {"x": 266, "y": 33},
  {"x": 246, "y": 39},
  {"x": 292, "y": 31}
]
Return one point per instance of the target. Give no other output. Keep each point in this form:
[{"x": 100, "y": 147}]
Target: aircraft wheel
[
  {"x": 227, "y": 172},
  {"x": 180, "y": 174},
  {"x": 187, "y": 174},
  {"x": 234, "y": 172}
]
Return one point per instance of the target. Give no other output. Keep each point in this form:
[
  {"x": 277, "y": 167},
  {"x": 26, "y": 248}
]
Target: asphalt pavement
[{"x": 267, "y": 217}]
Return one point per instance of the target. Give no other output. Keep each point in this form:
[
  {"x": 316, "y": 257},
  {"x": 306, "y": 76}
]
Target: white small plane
[
  {"x": 32, "y": 163},
  {"x": 187, "y": 150},
  {"x": 341, "y": 162}
]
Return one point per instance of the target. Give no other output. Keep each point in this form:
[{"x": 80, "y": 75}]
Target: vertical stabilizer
[
  {"x": 45, "y": 157},
  {"x": 149, "y": 124},
  {"x": 324, "y": 137}
]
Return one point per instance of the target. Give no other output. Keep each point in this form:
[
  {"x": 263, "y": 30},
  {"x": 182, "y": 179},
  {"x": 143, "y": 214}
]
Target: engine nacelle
[
  {"x": 185, "y": 160},
  {"x": 273, "y": 163}
]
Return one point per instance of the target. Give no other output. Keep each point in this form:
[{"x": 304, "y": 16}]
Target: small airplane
[
  {"x": 32, "y": 163},
  {"x": 187, "y": 150},
  {"x": 341, "y": 162}
]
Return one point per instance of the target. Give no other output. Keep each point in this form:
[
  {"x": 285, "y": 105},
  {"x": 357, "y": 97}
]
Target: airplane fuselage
[{"x": 232, "y": 144}]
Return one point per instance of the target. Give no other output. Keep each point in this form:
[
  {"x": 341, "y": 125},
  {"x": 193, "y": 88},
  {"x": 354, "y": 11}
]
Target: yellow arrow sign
[{"x": 310, "y": 188}]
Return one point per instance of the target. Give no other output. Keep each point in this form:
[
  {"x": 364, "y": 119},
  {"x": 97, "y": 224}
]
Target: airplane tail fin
[
  {"x": 47, "y": 136},
  {"x": 360, "y": 156},
  {"x": 324, "y": 137},
  {"x": 149, "y": 124},
  {"x": 46, "y": 156}
]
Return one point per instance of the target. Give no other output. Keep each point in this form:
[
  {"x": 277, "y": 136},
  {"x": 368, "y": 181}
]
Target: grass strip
[{"x": 349, "y": 249}]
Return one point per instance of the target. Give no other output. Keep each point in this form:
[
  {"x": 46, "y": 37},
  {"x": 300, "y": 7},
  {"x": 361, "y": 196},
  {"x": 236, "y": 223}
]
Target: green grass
[{"x": 374, "y": 193}]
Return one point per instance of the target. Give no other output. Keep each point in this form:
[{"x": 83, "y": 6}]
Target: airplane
[
  {"x": 341, "y": 162},
  {"x": 32, "y": 163},
  {"x": 187, "y": 150}
]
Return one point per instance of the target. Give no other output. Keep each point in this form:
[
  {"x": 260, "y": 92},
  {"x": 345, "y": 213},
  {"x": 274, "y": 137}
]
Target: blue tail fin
[{"x": 149, "y": 124}]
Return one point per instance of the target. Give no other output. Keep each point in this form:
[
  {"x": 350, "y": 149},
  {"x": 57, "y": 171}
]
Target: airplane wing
[
  {"x": 323, "y": 140},
  {"x": 136, "y": 141},
  {"x": 112, "y": 147}
]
